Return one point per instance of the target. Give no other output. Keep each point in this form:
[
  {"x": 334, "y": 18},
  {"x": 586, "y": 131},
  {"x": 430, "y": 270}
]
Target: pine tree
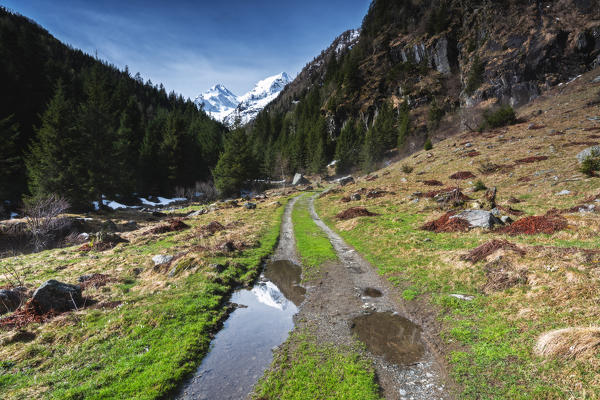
[
  {"x": 55, "y": 163},
  {"x": 348, "y": 147},
  {"x": 235, "y": 165},
  {"x": 404, "y": 124},
  {"x": 10, "y": 160},
  {"x": 126, "y": 147}
]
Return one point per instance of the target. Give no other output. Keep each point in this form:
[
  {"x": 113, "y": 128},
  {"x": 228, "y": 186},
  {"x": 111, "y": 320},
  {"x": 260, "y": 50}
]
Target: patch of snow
[
  {"x": 333, "y": 163},
  {"x": 162, "y": 201},
  {"x": 13, "y": 215}
]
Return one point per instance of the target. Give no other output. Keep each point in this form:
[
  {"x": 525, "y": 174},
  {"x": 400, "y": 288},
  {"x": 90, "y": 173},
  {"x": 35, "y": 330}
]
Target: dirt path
[{"x": 335, "y": 300}]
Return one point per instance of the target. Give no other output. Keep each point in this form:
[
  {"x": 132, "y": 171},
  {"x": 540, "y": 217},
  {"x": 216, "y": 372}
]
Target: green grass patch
[
  {"x": 313, "y": 244},
  {"x": 305, "y": 370},
  {"x": 140, "y": 350}
]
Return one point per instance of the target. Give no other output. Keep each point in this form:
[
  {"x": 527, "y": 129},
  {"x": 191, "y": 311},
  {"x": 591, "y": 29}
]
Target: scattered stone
[
  {"x": 506, "y": 220},
  {"x": 299, "y": 179},
  {"x": 468, "y": 145},
  {"x": 593, "y": 151},
  {"x": 10, "y": 300},
  {"x": 56, "y": 296},
  {"x": 478, "y": 218},
  {"x": 596, "y": 79},
  {"x": 197, "y": 213},
  {"x": 162, "y": 259},
  {"x": 462, "y": 297},
  {"x": 250, "y": 206},
  {"x": 347, "y": 180},
  {"x": 355, "y": 197}
]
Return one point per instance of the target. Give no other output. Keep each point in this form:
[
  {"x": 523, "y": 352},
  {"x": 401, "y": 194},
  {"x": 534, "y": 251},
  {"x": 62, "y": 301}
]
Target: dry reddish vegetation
[
  {"x": 433, "y": 183},
  {"x": 580, "y": 144},
  {"x": 447, "y": 224},
  {"x": 457, "y": 194},
  {"x": 510, "y": 210},
  {"x": 462, "y": 175},
  {"x": 524, "y": 179},
  {"x": 502, "y": 275},
  {"x": 473, "y": 154},
  {"x": 24, "y": 316},
  {"x": 172, "y": 225},
  {"x": 549, "y": 223},
  {"x": 354, "y": 212},
  {"x": 530, "y": 160},
  {"x": 481, "y": 252},
  {"x": 96, "y": 281},
  {"x": 211, "y": 228}
]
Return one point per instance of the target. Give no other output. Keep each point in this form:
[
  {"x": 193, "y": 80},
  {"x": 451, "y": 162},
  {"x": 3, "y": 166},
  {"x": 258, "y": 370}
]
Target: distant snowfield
[{"x": 162, "y": 201}]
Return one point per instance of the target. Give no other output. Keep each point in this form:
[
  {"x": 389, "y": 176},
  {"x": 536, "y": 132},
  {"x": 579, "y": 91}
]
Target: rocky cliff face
[{"x": 460, "y": 55}]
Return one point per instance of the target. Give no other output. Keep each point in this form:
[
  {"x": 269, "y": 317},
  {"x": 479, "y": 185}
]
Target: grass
[
  {"x": 304, "y": 367},
  {"x": 306, "y": 370},
  {"x": 489, "y": 341},
  {"x": 145, "y": 347},
  {"x": 312, "y": 243}
]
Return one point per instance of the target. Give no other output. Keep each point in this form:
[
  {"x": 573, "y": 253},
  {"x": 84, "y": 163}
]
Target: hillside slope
[
  {"x": 493, "y": 313},
  {"x": 437, "y": 65}
]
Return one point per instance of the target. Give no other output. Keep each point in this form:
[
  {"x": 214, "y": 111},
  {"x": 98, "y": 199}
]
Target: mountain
[
  {"x": 218, "y": 102},
  {"x": 420, "y": 71},
  {"x": 221, "y": 104},
  {"x": 255, "y": 100}
]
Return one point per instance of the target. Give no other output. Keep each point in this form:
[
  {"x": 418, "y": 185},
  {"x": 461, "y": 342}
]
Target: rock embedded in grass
[
  {"x": 56, "y": 296},
  {"x": 162, "y": 259},
  {"x": 478, "y": 218}
]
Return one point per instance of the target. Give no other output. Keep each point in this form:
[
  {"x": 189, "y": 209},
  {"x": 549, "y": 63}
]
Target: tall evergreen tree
[
  {"x": 56, "y": 160},
  {"x": 236, "y": 164},
  {"x": 10, "y": 159},
  {"x": 348, "y": 147}
]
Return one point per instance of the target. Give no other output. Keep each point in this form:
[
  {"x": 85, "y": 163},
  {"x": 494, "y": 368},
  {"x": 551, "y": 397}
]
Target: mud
[
  {"x": 336, "y": 305},
  {"x": 372, "y": 292},
  {"x": 394, "y": 337}
]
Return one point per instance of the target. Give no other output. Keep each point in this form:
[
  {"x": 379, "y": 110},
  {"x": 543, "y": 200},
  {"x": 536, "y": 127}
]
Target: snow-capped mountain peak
[{"x": 221, "y": 104}]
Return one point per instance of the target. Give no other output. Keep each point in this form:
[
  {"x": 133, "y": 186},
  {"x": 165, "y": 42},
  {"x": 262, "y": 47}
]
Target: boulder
[
  {"x": 355, "y": 197},
  {"x": 10, "y": 300},
  {"x": 56, "y": 296},
  {"x": 162, "y": 259},
  {"x": 347, "y": 180},
  {"x": 478, "y": 218},
  {"x": 593, "y": 151},
  {"x": 299, "y": 179},
  {"x": 197, "y": 213},
  {"x": 250, "y": 206},
  {"x": 564, "y": 193}
]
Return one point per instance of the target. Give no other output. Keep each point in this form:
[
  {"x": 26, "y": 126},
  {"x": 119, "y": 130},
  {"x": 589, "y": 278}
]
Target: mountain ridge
[{"x": 224, "y": 106}]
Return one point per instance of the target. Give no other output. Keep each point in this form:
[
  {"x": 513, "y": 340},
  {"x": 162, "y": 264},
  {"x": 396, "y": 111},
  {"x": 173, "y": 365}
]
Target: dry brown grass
[{"x": 569, "y": 343}]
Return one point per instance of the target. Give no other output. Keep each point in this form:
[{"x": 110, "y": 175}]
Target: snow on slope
[
  {"x": 224, "y": 106},
  {"x": 218, "y": 102}
]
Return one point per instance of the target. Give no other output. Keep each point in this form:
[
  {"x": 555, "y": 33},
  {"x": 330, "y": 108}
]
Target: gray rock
[
  {"x": 355, "y": 197},
  {"x": 496, "y": 212},
  {"x": 506, "y": 220},
  {"x": 250, "y": 206},
  {"x": 468, "y": 145},
  {"x": 57, "y": 296},
  {"x": 10, "y": 300},
  {"x": 347, "y": 180},
  {"x": 462, "y": 297},
  {"x": 162, "y": 259},
  {"x": 563, "y": 193},
  {"x": 478, "y": 218},
  {"x": 299, "y": 180},
  {"x": 596, "y": 79},
  {"x": 197, "y": 213},
  {"x": 593, "y": 151}
]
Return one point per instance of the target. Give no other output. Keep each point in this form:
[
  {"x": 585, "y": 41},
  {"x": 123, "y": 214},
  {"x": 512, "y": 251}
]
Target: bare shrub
[
  {"x": 43, "y": 216},
  {"x": 208, "y": 191},
  {"x": 12, "y": 275}
]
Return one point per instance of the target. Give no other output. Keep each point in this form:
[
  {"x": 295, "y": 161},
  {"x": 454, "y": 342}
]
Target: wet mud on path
[{"x": 352, "y": 300}]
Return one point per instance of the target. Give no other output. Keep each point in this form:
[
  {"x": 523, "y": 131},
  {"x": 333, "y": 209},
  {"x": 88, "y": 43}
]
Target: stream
[{"x": 243, "y": 349}]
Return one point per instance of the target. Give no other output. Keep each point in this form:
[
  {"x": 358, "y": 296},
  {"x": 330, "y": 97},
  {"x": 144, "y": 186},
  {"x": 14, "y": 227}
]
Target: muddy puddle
[
  {"x": 242, "y": 350},
  {"x": 371, "y": 292},
  {"x": 391, "y": 336}
]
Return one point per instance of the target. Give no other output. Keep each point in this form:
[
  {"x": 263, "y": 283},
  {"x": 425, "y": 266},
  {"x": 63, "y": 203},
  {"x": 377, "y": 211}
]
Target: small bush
[
  {"x": 428, "y": 145},
  {"x": 479, "y": 186},
  {"x": 503, "y": 116},
  {"x": 590, "y": 165},
  {"x": 407, "y": 169}
]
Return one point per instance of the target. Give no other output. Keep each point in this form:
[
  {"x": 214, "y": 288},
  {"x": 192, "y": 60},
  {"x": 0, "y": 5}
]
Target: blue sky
[{"x": 191, "y": 45}]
